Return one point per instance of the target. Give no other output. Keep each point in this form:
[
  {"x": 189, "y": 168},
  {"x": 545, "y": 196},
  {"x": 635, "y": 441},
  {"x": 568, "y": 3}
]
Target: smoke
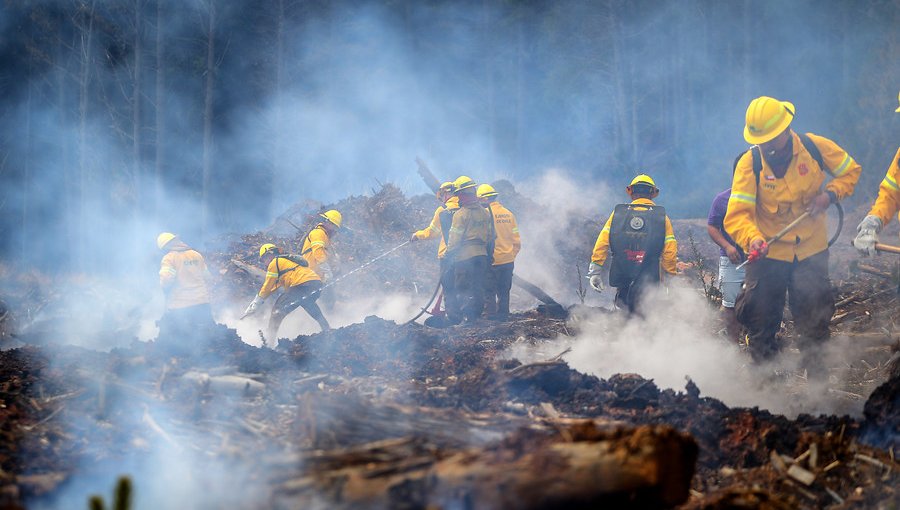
[
  {"x": 676, "y": 340},
  {"x": 486, "y": 89},
  {"x": 351, "y": 309}
]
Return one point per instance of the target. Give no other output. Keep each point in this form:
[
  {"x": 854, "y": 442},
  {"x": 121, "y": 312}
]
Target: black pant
[
  {"x": 760, "y": 304},
  {"x": 469, "y": 281},
  {"x": 303, "y": 295},
  {"x": 497, "y": 286},
  {"x": 448, "y": 284}
]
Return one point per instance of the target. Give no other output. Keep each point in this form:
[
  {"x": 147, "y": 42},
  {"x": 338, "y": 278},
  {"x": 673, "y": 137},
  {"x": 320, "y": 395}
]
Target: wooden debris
[
  {"x": 777, "y": 462},
  {"x": 869, "y": 460},
  {"x": 834, "y": 495},
  {"x": 803, "y": 476},
  {"x": 649, "y": 467}
]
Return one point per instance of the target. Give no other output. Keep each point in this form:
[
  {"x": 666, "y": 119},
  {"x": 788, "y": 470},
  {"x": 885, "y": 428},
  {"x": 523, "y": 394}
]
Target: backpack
[{"x": 637, "y": 235}]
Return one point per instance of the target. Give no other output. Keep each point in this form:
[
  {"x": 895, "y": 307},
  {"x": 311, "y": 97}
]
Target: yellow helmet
[
  {"x": 486, "y": 191},
  {"x": 766, "y": 118},
  {"x": 898, "y": 100},
  {"x": 266, "y": 248},
  {"x": 446, "y": 187},
  {"x": 333, "y": 216},
  {"x": 463, "y": 182},
  {"x": 163, "y": 239},
  {"x": 643, "y": 179}
]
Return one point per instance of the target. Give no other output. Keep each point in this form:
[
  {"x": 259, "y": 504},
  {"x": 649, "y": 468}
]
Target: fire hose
[
  {"x": 360, "y": 268},
  {"x": 755, "y": 255},
  {"x": 425, "y": 308}
]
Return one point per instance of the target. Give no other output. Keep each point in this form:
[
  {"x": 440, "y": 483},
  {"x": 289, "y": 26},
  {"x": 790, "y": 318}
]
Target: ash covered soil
[{"x": 389, "y": 414}]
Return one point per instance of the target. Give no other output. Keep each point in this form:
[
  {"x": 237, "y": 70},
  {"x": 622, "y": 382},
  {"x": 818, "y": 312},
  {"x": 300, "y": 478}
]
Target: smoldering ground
[{"x": 676, "y": 340}]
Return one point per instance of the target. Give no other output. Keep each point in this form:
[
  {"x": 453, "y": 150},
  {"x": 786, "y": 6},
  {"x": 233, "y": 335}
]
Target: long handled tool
[
  {"x": 257, "y": 271},
  {"x": 887, "y": 248},
  {"x": 754, "y": 255}
]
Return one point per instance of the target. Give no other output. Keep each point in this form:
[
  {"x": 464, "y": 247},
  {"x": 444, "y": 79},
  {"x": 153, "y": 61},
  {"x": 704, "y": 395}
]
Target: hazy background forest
[{"x": 120, "y": 119}]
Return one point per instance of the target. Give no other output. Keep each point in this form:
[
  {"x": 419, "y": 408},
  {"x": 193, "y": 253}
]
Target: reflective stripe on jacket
[
  {"x": 183, "y": 275},
  {"x": 888, "y": 202},
  {"x": 315, "y": 247},
  {"x": 669, "y": 258},
  {"x": 284, "y": 273},
  {"x": 469, "y": 233},
  {"x": 760, "y": 212},
  {"x": 434, "y": 228},
  {"x": 507, "y": 243}
]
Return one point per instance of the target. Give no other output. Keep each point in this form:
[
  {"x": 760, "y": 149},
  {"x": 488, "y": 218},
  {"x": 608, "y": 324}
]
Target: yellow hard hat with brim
[
  {"x": 643, "y": 179},
  {"x": 163, "y": 239},
  {"x": 266, "y": 248},
  {"x": 334, "y": 217},
  {"x": 766, "y": 118},
  {"x": 486, "y": 191},
  {"x": 463, "y": 182}
]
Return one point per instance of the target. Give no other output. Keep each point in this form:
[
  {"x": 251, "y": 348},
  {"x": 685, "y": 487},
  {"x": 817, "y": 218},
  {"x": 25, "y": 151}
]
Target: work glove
[
  {"x": 595, "y": 274},
  {"x": 324, "y": 271},
  {"x": 867, "y": 235},
  {"x": 251, "y": 308}
]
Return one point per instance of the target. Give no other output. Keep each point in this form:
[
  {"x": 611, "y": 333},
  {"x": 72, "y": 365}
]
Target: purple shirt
[{"x": 716, "y": 218}]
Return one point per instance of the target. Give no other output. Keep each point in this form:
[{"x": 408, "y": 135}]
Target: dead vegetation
[{"x": 384, "y": 415}]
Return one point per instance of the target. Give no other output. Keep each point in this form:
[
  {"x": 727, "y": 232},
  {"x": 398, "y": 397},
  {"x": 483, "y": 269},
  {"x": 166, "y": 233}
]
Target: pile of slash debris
[{"x": 385, "y": 415}]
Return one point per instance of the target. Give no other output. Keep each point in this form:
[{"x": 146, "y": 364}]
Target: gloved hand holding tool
[
  {"x": 867, "y": 235},
  {"x": 760, "y": 248},
  {"x": 595, "y": 275},
  {"x": 251, "y": 308}
]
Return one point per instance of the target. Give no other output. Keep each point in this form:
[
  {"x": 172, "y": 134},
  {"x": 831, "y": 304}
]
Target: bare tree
[
  {"x": 161, "y": 110},
  {"x": 210, "y": 72},
  {"x": 84, "y": 21},
  {"x": 136, "y": 98}
]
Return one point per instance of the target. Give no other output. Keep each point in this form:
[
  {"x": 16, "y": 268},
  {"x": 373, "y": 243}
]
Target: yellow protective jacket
[
  {"x": 669, "y": 258},
  {"x": 434, "y": 228},
  {"x": 284, "y": 273},
  {"x": 888, "y": 202},
  {"x": 508, "y": 243},
  {"x": 316, "y": 246},
  {"x": 759, "y": 212},
  {"x": 183, "y": 276},
  {"x": 470, "y": 233}
]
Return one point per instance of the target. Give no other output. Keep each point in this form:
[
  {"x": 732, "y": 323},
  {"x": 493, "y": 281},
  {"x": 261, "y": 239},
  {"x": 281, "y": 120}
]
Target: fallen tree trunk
[{"x": 646, "y": 467}]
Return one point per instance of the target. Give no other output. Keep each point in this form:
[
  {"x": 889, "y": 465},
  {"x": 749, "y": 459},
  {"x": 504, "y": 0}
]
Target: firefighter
[
  {"x": 506, "y": 246},
  {"x": 469, "y": 243},
  {"x": 773, "y": 184},
  {"x": 318, "y": 251},
  {"x": 640, "y": 243},
  {"x": 184, "y": 279},
  {"x": 440, "y": 228},
  {"x": 886, "y": 206},
  {"x": 301, "y": 285}
]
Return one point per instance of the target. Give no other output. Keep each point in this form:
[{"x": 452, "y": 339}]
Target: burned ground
[{"x": 386, "y": 414}]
